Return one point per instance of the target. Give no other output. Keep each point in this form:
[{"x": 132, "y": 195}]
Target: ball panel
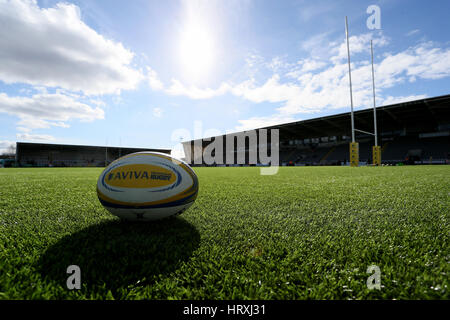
[{"x": 170, "y": 202}]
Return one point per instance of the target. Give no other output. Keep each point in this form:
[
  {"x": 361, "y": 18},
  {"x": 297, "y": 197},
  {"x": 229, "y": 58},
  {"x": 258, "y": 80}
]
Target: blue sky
[{"x": 149, "y": 73}]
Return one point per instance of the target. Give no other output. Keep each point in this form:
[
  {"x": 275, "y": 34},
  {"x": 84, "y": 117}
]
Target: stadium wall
[{"x": 62, "y": 155}]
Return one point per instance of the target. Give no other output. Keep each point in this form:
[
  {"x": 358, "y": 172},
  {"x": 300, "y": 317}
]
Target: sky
[{"x": 153, "y": 73}]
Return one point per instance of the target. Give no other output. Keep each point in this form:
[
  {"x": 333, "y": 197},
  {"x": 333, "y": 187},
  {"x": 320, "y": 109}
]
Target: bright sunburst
[{"x": 197, "y": 50}]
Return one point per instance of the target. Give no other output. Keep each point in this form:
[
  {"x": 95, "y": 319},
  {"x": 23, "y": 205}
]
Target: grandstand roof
[{"x": 424, "y": 115}]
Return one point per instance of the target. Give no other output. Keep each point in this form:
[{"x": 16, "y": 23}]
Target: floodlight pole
[
  {"x": 350, "y": 79},
  {"x": 374, "y": 105}
]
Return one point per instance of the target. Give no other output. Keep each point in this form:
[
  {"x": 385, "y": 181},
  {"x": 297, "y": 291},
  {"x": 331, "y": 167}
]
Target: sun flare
[{"x": 196, "y": 50}]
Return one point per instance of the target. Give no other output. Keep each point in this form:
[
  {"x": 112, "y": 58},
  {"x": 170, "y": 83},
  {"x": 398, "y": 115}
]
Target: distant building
[{"x": 63, "y": 155}]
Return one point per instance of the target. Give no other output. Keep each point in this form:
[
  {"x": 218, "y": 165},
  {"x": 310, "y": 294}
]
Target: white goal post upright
[
  {"x": 376, "y": 150},
  {"x": 354, "y": 150},
  {"x": 350, "y": 80},
  {"x": 374, "y": 105}
]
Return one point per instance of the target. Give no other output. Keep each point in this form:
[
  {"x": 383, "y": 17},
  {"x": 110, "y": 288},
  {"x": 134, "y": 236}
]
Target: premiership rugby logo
[{"x": 140, "y": 176}]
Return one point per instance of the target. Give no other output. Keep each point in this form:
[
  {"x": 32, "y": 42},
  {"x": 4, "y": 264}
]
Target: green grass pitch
[{"x": 304, "y": 233}]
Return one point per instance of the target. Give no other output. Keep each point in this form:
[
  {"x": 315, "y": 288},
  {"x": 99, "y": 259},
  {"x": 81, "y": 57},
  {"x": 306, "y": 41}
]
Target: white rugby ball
[{"x": 147, "y": 186}]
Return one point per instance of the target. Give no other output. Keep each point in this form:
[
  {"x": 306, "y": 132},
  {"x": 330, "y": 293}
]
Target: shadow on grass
[{"x": 117, "y": 254}]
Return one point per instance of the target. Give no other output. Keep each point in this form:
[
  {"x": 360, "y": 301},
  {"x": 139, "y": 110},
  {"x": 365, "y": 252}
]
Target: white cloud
[
  {"x": 27, "y": 124},
  {"x": 54, "y": 48},
  {"x": 157, "y": 112},
  {"x": 5, "y": 146},
  {"x": 357, "y": 44},
  {"x": 260, "y": 122},
  {"x": 423, "y": 61},
  {"x": 271, "y": 91},
  {"x": 179, "y": 89},
  {"x": 254, "y": 64},
  {"x": 311, "y": 65},
  {"x": 35, "y": 137},
  {"x": 98, "y": 103},
  {"x": 412, "y": 32},
  {"x": 399, "y": 99},
  {"x": 329, "y": 88},
  {"x": 254, "y": 60},
  {"x": 317, "y": 45},
  {"x": 153, "y": 80},
  {"x": 46, "y": 110},
  {"x": 277, "y": 64}
]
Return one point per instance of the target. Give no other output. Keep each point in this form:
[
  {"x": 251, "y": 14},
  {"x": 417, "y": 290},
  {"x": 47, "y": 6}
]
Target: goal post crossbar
[{"x": 372, "y": 134}]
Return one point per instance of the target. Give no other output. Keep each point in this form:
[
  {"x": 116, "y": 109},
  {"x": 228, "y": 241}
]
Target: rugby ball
[{"x": 147, "y": 186}]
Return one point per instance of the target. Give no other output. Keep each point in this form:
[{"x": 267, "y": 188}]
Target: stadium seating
[
  {"x": 54, "y": 155},
  {"x": 399, "y": 149}
]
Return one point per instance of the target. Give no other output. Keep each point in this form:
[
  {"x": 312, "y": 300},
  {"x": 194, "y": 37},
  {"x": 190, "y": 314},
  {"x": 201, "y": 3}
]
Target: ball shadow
[{"x": 118, "y": 254}]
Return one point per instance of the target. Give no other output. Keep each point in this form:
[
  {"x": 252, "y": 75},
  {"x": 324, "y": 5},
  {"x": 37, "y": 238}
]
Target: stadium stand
[
  {"x": 414, "y": 132},
  {"x": 62, "y": 155}
]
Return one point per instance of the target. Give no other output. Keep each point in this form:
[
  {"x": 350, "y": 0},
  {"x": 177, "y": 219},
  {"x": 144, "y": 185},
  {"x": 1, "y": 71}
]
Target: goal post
[
  {"x": 376, "y": 149},
  {"x": 354, "y": 154},
  {"x": 376, "y": 155},
  {"x": 354, "y": 149},
  {"x": 354, "y": 146}
]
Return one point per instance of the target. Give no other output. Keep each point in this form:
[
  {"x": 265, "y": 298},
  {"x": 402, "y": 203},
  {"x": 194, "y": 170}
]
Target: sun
[{"x": 196, "y": 50}]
